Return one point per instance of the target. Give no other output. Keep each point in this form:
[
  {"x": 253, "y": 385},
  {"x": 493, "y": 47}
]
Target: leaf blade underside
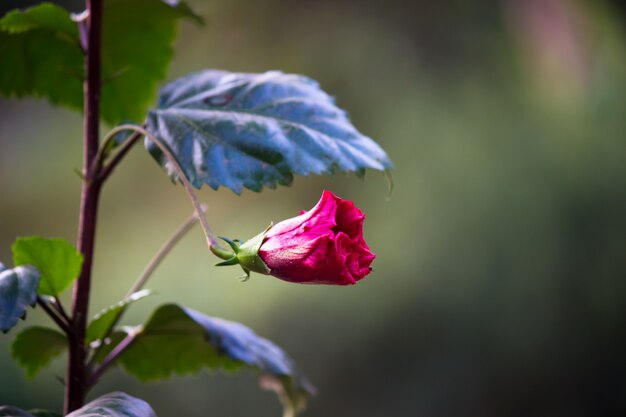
[{"x": 243, "y": 130}]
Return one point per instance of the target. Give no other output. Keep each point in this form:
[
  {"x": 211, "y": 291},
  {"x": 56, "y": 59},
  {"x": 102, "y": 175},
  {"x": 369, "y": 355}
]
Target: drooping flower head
[{"x": 324, "y": 245}]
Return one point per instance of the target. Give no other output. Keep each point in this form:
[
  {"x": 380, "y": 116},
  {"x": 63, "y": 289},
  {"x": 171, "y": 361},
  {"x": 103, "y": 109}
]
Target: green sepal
[
  {"x": 221, "y": 253},
  {"x": 234, "y": 244},
  {"x": 248, "y": 254},
  {"x": 228, "y": 262}
]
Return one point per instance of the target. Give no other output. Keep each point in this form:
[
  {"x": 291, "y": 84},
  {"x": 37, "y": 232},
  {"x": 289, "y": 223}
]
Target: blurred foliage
[{"x": 499, "y": 284}]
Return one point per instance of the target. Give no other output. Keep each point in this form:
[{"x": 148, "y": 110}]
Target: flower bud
[{"x": 324, "y": 245}]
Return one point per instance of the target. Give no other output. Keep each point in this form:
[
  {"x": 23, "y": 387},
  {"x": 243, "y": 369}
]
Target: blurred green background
[{"x": 499, "y": 287}]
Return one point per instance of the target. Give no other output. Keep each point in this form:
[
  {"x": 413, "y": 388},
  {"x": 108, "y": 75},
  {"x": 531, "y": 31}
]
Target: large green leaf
[
  {"x": 58, "y": 261},
  {"x": 105, "y": 318},
  {"x": 43, "y": 48},
  {"x": 136, "y": 50},
  {"x": 177, "y": 340},
  {"x": 35, "y": 347},
  {"x": 255, "y": 130},
  {"x": 115, "y": 404},
  {"x": 18, "y": 290}
]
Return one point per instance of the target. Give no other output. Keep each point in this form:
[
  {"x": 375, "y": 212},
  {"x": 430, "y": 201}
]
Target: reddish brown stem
[
  {"x": 76, "y": 372},
  {"x": 60, "y": 321}
]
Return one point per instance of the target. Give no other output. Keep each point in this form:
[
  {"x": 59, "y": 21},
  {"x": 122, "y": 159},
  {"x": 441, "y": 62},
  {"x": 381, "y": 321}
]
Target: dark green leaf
[
  {"x": 115, "y": 404},
  {"x": 180, "y": 341},
  {"x": 18, "y": 290},
  {"x": 58, "y": 261},
  {"x": 101, "y": 352},
  {"x": 44, "y": 413},
  {"x": 255, "y": 130},
  {"x": 104, "y": 319},
  {"x": 44, "y": 16},
  {"x": 136, "y": 50},
  {"x": 42, "y": 44},
  {"x": 35, "y": 347}
]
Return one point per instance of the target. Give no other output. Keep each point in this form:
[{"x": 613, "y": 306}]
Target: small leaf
[
  {"x": 255, "y": 130},
  {"x": 103, "y": 320},
  {"x": 43, "y": 46},
  {"x": 58, "y": 261},
  {"x": 35, "y": 347},
  {"x": 115, "y": 404},
  {"x": 18, "y": 289},
  {"x": 178, "y": 340}
]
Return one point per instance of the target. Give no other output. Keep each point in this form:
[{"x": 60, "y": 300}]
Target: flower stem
[
  {"x": 110, "y": 358},
  {"x": 58, "y": 306},
  {"x": 75, "y": 384},
  {"x": 60, "y": 321}
]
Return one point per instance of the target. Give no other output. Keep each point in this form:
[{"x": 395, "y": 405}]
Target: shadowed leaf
[
  {"x": 35, "y": 347},
  {"x": 44, "y": 413},
  {"x": 42, "y": 56},
  {"x": 42, "y": 46},
  {"x": 178, "y": 340},
  {"x": 136, "y": 50}
]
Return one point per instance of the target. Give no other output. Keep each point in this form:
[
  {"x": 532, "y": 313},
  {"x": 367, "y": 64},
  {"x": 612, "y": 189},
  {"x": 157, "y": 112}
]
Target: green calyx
[{"x": 245, "y": 254}]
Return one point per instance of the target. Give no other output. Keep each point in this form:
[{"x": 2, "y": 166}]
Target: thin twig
[
  {"x": 54, "y": 316},
  {"x": 163, "y": 251},
  {"x": 106, "y": 171},
  {"x": 59, "y": 308},
  {"x": 156, "y": 260},
  {"x": 110, "y": 358}
]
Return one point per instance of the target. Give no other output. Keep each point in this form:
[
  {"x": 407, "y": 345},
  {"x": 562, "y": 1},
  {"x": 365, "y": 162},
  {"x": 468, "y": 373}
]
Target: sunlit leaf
[
  {"x": 104, "y": 319},
  {"x": 35, "y": 347},
  {"x": 115, "y": 404},
  {"x": 256, "y": 130},
  {"x": 178, "y": 340},
  {"x": 57, "y": 260},
  {"x": 18, "y": 290},
  {"x": 43, "y": 48}
]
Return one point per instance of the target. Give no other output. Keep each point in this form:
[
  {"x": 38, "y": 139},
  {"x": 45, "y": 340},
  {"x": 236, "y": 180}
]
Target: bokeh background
[{"x": 499, "y": 287}]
